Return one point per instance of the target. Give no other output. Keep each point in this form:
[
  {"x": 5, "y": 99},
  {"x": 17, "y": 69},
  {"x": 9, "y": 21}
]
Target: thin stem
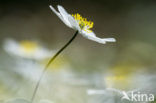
[{"x": 50, "y": 61}]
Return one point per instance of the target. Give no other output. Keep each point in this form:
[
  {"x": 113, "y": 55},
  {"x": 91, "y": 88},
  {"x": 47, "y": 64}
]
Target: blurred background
[{"x": 128, "y": 64}]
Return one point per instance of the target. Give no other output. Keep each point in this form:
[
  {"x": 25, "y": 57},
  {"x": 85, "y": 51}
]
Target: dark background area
[{"x": 128, "y": 21}]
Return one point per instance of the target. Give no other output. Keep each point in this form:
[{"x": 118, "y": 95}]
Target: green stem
[{"x": 50, "y": 61}]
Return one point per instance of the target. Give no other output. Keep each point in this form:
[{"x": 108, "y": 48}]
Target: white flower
[
  {"x": 79, "y": 23},
  {"x": 26, "y": 49},
  {"x": 28, "y": 70},
  {"x": 110, "y": 95},
  {"x": 45, "y": 101}
]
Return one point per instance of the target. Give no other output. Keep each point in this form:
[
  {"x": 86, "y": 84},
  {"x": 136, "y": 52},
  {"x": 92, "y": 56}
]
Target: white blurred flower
[
  {"x": 77, "y": 22},
  {"x": 28, "y": 69},
  {"x": 116, "y": 81},
  {"x": 105, "y": 91},
  {"x": 21, "y": 100},
  {"x": 45, "y": 101},
  {"x": 110, "y": 95},
  {"x": 26, "y": 49},
  {"x": 17, "y": 100}
]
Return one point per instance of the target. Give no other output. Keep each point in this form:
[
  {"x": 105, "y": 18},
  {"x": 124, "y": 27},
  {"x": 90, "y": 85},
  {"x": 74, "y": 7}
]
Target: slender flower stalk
[
  {"x": 50, "y": 61},
  {"x": 78, "y": 23}
]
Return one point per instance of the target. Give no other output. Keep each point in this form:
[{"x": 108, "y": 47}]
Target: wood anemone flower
[{"x": 77, "y": 22}]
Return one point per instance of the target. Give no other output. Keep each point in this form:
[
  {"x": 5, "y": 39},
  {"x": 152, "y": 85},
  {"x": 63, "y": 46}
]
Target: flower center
[
  {"x": 28, "y": 46},
  {"x": 83, "y": 23}
]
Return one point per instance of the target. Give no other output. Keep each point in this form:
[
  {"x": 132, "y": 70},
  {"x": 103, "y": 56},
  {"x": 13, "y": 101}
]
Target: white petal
[
  {"x": 57, "y": 13},
  {"x": 64, "y": 14},
  {"x": 65, "y": 21},
  {"x": 42, "y": 53},
  {"x": 45, "y": 101},
  {"x": 109, "y": 39},
  {"x": 18, "y": 100},
  {"x": 66, "y": 18},
  {"x": 93, "y": 37},
  {"x": 74, "y": 23},
  {"x": 12, "y": 47}
]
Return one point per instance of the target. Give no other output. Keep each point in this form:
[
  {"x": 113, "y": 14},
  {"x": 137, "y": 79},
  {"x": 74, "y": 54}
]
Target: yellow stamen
[
  {"x": 28, "y": 46},
  {"x": 83, "y": 23}
]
